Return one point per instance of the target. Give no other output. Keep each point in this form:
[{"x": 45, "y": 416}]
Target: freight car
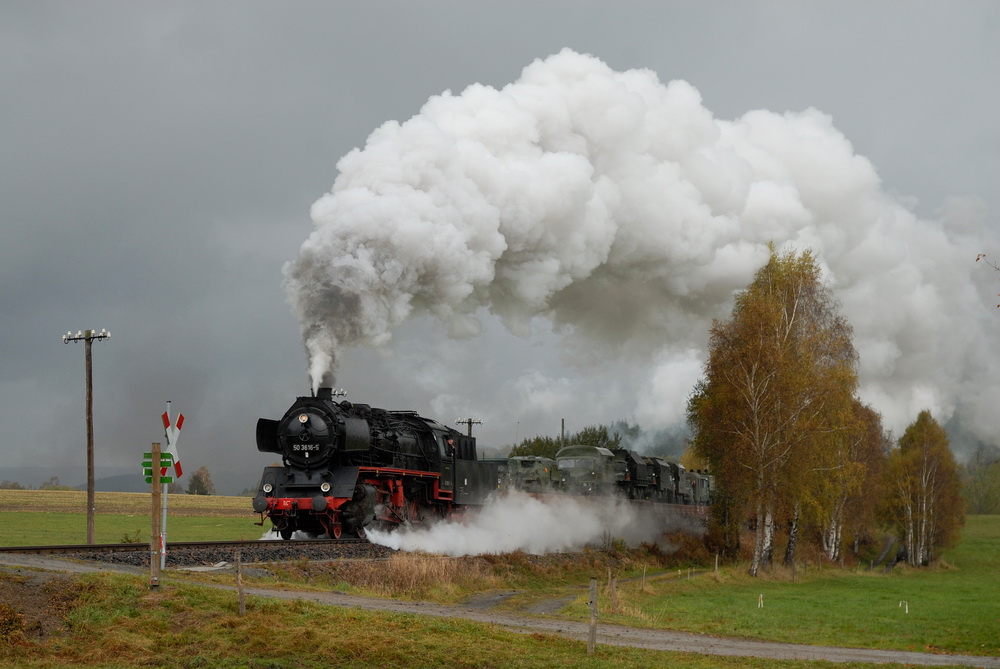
[
  {"x": 594, "y": 470},
  {"x": 588, "y": 470},
  {"x": 531, "y": 473}
]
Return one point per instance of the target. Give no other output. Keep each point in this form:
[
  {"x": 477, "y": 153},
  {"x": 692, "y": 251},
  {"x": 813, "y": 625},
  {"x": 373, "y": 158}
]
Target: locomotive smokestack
[{"x": 324, "y": 394}]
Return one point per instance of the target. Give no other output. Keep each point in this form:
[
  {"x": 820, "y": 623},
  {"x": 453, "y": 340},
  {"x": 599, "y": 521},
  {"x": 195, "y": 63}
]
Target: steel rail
[{"x": 175, "y": 545}]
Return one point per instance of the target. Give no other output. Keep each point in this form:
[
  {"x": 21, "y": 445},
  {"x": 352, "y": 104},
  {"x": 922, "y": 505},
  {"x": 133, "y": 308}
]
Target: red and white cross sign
[{"x": 172, "y": 432}]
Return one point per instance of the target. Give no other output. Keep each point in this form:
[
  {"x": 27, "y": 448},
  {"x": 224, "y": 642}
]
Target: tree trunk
[
  {"x": 793, "y": 538},
  {"x": 834, "y": 531},
  {"x": 911, "y": 549},
  {"x": 758, "y": 540},
  {"x": 767, "y": 554}
]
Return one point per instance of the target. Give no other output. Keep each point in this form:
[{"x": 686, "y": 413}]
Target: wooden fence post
[
  {"x": 240, "y": 591},
  {"x": 592, "y": 638}
]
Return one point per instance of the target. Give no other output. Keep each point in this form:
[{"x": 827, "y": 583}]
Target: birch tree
[
  {"x": 775, "y": 370},
  {"x": 848, "y": 488},
  {"x": 926, "y": 503}
]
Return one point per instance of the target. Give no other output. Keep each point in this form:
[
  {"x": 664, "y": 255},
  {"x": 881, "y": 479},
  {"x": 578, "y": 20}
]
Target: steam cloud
[
  {"x": 619, "y": 208},
  {"x": 521, "y": 522}
]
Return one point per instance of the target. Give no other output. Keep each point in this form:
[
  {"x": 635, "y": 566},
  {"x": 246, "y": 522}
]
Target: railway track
[
  {"x": 213, "y": 553},
  {"x": 172, "y": 545}
]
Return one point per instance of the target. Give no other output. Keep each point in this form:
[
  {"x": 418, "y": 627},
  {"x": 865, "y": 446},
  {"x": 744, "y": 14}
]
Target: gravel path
[{"x": 665, "y": 640}]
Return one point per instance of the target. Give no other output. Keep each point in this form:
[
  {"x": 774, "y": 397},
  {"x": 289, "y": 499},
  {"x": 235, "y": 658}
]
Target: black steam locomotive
[{"x": 346, "y": 466}]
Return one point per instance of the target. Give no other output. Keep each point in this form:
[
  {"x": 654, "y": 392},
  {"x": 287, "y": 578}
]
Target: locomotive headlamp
[
  {"x": 303, "y": 418},
  {"x": 268, "y": 487},
  {"x": 324, "y": 486}
]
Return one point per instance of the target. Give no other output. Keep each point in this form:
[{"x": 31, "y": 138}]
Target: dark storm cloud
[{"x": 160, "y": 160}]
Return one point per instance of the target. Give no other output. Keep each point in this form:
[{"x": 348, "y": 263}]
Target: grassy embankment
[{"x": 116, "y": 621}]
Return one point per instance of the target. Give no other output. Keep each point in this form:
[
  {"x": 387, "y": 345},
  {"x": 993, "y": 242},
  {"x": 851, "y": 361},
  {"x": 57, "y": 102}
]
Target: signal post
[
  {"x": 171, "y": 432},
  {"x": 157, "y": 470},
  {"x": 155, "y": 539}
]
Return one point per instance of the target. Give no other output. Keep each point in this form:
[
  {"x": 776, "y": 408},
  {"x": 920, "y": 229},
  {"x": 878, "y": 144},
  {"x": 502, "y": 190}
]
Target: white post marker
[{"x": 171, "y": 433}]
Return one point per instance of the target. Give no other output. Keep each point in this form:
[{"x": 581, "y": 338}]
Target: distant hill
[
  {"x": 120, "y": 483},
  {"x": 224, "y": 485}
]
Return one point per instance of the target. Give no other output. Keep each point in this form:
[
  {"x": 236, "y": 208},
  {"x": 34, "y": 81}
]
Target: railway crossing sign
[
  {"x": 166, "y": 461},
  {"x": 170, "y": 458},
  {"x": 172, "y": 432}
]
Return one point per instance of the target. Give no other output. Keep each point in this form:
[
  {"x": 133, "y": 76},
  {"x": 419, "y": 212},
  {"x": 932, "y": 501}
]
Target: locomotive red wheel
[{"x": 335, "y": 532}]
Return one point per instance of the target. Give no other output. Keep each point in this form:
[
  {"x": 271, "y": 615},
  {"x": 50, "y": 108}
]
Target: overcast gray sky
[{"x": 159, "y": 163}]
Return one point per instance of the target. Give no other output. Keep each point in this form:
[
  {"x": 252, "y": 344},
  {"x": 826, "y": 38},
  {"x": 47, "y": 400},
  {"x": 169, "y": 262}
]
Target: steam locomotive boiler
[{"x": 345, "y": 467}]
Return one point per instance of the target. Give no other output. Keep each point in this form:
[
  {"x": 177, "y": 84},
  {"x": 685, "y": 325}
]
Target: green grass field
[
  {"x": 952, "y": 607},
  {"x": 55, "y": 517},
  {"x": 116, "y": 621}
]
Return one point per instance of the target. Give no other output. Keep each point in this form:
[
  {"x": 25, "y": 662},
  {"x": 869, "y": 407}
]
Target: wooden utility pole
[
  {"x": 88, "y": 337},
  {"x": 469, "y": 422}
]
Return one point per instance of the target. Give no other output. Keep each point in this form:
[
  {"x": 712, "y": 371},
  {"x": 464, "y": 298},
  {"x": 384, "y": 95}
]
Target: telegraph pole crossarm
[{"x": 469, "y": 422}]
